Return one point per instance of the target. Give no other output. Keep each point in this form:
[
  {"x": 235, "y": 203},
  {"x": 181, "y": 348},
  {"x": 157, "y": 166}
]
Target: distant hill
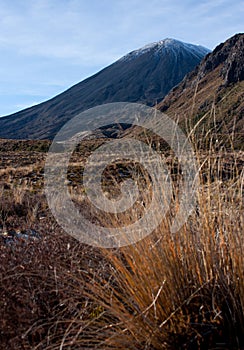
[
  {"x": 213, "y": 94},
  {"x": 145, "y": 76}
]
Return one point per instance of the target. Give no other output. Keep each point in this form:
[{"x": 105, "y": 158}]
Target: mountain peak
[
  {"x": 168, "y": 44},
  {"x": 143, "y": 76}
]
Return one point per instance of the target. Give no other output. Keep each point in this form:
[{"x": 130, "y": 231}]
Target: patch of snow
[{"x": 168, "y": 43}]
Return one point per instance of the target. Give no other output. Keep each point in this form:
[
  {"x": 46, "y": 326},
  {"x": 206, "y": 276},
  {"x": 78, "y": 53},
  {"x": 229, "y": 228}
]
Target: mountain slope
[
  {"x": 145, "y": 75},
  {"x": 213, "y": 94}
]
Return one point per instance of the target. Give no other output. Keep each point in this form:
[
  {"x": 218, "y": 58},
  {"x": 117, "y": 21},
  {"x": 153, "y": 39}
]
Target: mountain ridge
[
  {"x": 145, "y": 79},
  {"x": 214, "y": 91}
]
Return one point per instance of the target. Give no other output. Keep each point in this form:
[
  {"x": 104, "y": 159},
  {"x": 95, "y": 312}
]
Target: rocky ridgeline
[{"x": 230, "y": 54}]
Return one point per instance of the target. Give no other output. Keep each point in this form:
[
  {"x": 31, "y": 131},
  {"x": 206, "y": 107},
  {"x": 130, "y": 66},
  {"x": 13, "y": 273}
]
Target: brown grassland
[{"x": 167, "y": 291}]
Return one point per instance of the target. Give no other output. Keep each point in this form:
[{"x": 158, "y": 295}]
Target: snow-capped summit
[
  {"x": 165, "y": 45},
  {"x": 144, "y": 76}
]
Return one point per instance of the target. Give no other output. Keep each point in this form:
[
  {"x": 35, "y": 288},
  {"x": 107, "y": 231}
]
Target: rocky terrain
[{"x": 212, "y": 96}]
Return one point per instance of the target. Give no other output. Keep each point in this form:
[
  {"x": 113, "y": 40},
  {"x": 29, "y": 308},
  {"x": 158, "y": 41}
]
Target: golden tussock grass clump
[{"x": 167, "y": 291}]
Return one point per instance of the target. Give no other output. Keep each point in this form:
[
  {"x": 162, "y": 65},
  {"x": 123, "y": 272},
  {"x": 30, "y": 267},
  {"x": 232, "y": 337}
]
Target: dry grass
[
  {"x": 168, "y": 291},
  {"x": 181, "y": 291}
]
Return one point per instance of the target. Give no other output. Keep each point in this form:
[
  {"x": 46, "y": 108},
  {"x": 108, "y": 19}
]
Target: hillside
[
  {"x": 212, "y": 96},
  {"x": 145, "y": 75}
]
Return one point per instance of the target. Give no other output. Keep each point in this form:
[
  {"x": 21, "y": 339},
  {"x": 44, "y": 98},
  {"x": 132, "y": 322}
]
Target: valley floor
[{"x": 167, "y": 291}]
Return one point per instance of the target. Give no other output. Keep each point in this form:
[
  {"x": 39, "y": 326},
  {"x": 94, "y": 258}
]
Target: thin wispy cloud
[{"x": 48, "y": 45}]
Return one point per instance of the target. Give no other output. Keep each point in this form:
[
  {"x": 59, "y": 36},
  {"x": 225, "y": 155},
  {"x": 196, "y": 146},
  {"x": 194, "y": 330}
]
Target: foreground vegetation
[{"x": 168, "y": 291}]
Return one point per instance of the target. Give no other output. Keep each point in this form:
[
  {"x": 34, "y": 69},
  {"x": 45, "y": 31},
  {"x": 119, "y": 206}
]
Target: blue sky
[{"x": 47, "y": 46}]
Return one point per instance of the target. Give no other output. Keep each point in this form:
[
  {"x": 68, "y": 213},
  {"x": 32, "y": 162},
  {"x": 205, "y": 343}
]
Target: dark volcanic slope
[
  {"x": 145, "y": 75},
  {"x": 213, "y": 93}
]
